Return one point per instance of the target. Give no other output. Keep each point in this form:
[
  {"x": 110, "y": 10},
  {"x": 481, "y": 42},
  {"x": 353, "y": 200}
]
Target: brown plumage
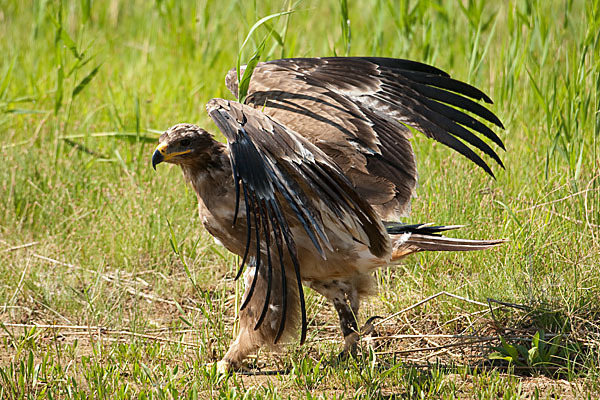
[{"x": 318, "y": 157}]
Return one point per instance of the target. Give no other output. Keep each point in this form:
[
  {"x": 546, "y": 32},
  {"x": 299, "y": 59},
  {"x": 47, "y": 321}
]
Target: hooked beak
[{"x": 159, "y": 155}]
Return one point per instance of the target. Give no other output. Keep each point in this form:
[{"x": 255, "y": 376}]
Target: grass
[{"x": 85, "y": 244}]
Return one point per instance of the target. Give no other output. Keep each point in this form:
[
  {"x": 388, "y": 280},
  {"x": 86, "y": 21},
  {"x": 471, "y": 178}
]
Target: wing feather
[
  {"x": 285, "y": 180},
  {"x": 359, "y": 100}
]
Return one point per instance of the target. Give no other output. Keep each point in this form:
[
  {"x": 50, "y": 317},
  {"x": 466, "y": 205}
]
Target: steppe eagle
[{"x": 317, "y": 170}]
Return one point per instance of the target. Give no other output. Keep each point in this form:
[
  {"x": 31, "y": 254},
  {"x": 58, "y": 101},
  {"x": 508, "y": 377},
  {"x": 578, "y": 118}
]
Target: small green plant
[
  {"x": 540, "y": 355},
  {"x": 64, "y": 70},
  {"x": 307, "y": 372}
]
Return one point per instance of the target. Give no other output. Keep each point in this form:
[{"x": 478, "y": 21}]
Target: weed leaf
[
  {"x": 84, "y": 82},
  {"x": 256, "y": 57}
]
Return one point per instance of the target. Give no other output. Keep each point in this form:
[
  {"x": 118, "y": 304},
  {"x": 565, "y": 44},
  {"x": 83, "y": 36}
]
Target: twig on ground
[
  {"x": 6, "y": 307},
  {"x": 506, "y": 304},
  {"x": 425, "y": 335},
  {"x": 150, "y": 337},
  {"x": 445, "y": 346},
  {"x": 119, "y": 282},
  {"x": 429, "y": 340},
  {"x": 585, "y": 191},
  {"x": 19, "y": 247},
  {"x": 425, "y": 301},
  {"x": 573, "y": 220},
  {"x": 20, "y": 284},
  {"x": 471, "y": 323},
  {"x": 100, "y": 331},
  {"x": 52, "y": 310}
]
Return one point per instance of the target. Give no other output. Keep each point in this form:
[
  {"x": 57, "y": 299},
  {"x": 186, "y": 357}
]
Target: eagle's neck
[
  {"x": 212, "y": 180},
  {"x": 210, "y": 171}
]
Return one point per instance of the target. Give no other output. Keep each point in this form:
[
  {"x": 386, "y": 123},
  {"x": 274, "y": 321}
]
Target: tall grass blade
[
  {"x": 39, "y": 8},
  {"x": 248, "y": 72},
  {"x": 132, "y": 136},
  {"x": 60, "y": 77},
  {"x": 85, "y": 81},
  {"x": 7, "y": 77},
  {"x": 486, "y": 46},
  {"x": 245, "y": 81},
  {"x": 510, "y": 212},
  {"x": 345, "y": 23},
  {"x": 70, "y": 43},
  {"x": 115, "y": 113},
  {"x": 20, "y": 111},
  {"x": 86, "y": 9},
  {"x": 177, "y": 251}
]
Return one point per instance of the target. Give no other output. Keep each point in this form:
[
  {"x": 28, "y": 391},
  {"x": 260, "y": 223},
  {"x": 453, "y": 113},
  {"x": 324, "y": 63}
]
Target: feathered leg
[
  {"x": 345, "y": 294},
  {"x": 347, "y": 313},
  {"x": 250, "y": 339}
]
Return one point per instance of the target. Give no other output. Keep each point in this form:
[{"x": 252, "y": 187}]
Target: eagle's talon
[
  {"x": 351, "y": 340},
  {"x": 223, "y": 367},
  {"x": 369, "y": 327},
  {"x": 343, "y": 356}
]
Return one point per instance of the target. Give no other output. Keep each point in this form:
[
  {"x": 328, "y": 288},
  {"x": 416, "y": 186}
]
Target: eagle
[{"x": 317, "y": 172}]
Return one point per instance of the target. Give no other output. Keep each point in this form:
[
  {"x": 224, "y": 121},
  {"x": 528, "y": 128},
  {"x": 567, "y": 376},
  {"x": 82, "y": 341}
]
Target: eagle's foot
[
  {"x": 351, "y": 340},
  {"x": 369, "y": 327},
  {"x": 224, "y": 367}
]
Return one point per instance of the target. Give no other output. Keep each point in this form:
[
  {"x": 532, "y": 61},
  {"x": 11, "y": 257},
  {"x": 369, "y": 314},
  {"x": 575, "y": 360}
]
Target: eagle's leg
[
  {"x": 252, "y": 337},
  {"x": 345, "y": 294},
  {"x": 241, "y": 347},
  {"x": 347, "y": 312}
]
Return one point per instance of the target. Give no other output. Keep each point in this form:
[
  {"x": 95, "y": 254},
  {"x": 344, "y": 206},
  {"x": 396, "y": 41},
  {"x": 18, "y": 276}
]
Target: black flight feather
[
  {"x": 248, "y": 229},
  {"x": 417, "y": 94},
  {"x": 395, "y": 228},
  {"x": 445, "y": 82},
  {"x": 273, "y": 164},
  {"x": 266, "y": 231},
  {"x": 252, "y": 206}
]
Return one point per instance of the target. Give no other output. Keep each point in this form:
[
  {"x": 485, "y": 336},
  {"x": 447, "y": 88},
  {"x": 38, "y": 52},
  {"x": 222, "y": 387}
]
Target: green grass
[{"x": 83, "y": 95}]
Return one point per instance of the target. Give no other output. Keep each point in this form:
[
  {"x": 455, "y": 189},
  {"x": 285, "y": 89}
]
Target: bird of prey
[{"x": 316, "y": 173}]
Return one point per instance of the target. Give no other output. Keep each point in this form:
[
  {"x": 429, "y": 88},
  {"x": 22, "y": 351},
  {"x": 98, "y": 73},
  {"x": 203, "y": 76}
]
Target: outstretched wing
[
  {"x": 286, "y": 181},
  {"x": 356, "y": 108}
]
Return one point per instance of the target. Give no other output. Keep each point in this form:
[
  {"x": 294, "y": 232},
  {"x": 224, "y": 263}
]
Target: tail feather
[{"x": 408, "y": 239}]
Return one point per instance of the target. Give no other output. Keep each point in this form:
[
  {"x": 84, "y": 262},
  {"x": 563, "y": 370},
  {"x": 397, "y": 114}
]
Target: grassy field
[{"x": 99, "y": 299}]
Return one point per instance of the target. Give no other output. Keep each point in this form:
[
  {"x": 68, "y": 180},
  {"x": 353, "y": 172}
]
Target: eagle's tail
[{"x": 408, "y": 239}]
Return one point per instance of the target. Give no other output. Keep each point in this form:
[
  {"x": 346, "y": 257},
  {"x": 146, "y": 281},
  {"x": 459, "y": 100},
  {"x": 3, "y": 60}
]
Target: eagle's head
[{"x": 183, "y": 144}]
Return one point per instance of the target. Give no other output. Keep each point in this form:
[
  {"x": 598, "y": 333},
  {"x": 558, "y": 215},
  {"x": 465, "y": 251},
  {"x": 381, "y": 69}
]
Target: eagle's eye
[{"x": 185, "y": 142}]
